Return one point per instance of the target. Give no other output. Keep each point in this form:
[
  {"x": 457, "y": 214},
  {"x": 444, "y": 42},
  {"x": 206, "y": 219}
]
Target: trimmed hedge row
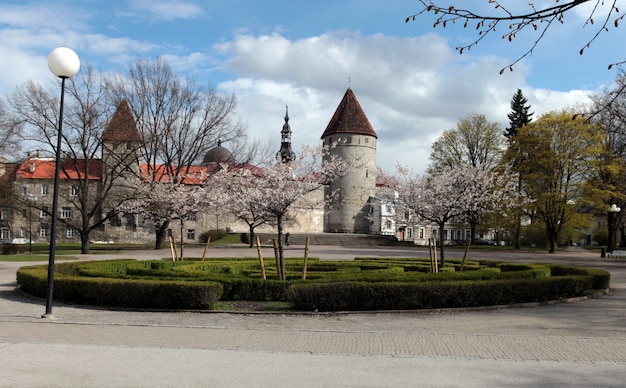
[
  {"x": 116, "y": 292},
  {"x": 363, "y": 284},
  {"x": 351, "y": 296}
]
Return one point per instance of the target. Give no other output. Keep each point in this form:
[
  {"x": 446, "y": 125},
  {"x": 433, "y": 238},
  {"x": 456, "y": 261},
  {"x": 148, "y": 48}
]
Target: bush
[
  {"x": 115, "y": 292},
  {"x": 366, "y": 284},
  {"x": 355, "y": 296},
  {"x": 215, "y": 235},
  {"x": 10, "y": 249},
  {"x": 601, "y": 237}
]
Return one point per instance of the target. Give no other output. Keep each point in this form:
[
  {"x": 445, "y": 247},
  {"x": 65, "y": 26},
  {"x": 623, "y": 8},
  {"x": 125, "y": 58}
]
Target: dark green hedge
[
  {"x": 127, "y": 293},
  {"x": 351, "y": 296},
  {"x": 366, "y": 284}
]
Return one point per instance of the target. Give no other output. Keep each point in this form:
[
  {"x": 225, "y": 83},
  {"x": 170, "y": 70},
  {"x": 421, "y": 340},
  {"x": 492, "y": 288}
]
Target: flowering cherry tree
[
  {"x": 244, "y": 199},
  {"x": 166, "y": 199},
  {"x": 274, "y": 188},
  {"x": 451, "y": 195}
]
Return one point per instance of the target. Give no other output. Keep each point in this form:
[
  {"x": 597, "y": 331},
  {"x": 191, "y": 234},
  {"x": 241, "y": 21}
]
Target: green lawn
[{"x": 69, "y": 251}]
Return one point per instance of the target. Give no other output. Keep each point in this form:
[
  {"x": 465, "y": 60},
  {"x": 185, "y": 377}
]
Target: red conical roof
[
  {"x": 349, "y": 118},
  {"x": 122, "y": 127}
]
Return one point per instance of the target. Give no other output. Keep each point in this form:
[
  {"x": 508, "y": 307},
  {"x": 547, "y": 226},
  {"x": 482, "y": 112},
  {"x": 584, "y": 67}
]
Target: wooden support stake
[
  {"x": 306, "y": 258},
  {"x": 467, "y": 246},
  {"x": 175, "y": 248},
  {"x": 172, "y": 251},
  {"x": 206, "y": 247},
  {"x": 260, "y": 253},
  {"x": 430, "y": 253},
  {"x": 278, "y": 269}
]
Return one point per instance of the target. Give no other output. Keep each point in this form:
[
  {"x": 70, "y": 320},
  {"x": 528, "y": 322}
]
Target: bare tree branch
[{"x": 539, "y": 19}]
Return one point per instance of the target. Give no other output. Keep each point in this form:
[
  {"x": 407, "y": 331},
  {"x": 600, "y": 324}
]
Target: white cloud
[
  {"x": 167, "y": 10},
  {"x": 410, "y": 88}
]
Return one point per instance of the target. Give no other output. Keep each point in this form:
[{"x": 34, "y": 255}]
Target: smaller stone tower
[
  {"x": 286, "y": 154},
  {"x": 350, "y": 136},
  {"x": 121, "y": 142}
]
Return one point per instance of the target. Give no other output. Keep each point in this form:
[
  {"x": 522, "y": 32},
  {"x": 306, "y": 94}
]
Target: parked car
[{"x": 483, "y": 241}]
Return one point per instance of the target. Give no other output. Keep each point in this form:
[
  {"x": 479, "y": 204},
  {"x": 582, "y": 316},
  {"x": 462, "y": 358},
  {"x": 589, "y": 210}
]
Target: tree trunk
[
  {"x": 161, "y": 233},
  {"x": 281, "y": 257},
  {"x": 518, "y": 232},
  {"x": 84, "y": 243},
  {"x": 251, "y": 228},
  {"x": 442, "y": 260},
  {"x": 552, "y": 235},
  {"x": 182, "y": 240}
]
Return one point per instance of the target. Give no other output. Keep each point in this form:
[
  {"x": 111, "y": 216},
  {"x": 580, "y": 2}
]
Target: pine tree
[{"x": 519, "y": 116}]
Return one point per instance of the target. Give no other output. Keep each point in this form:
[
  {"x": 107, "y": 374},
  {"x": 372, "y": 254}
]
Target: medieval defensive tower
[{"x": 350, "y": 135}]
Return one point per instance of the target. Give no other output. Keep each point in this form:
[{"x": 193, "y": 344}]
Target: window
[
  {"x": 389, "y": 224},
  {"x": 43, "y": 213},
  {"x": 70, "y": 233},
  {"x": 23, "y": 232},
  {"x": 74, "y": 191},
  {"x": 191, "y": 234},
  {"x": 5, "y": 233},
  {"x": 43, "y": 232},
  {"x": 44, "y": 189},
  {"x": 4, "y": 214},
  {"x": 191, "y": 217},
  {"x": 421, "y": 232},
  {"x": 66, "y": 212},
  {"x": 129, "y": 220},
  {"x": 24, "y": 190}
]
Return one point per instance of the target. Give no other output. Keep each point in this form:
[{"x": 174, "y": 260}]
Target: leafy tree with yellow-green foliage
[{"x": 556, "y": 155}]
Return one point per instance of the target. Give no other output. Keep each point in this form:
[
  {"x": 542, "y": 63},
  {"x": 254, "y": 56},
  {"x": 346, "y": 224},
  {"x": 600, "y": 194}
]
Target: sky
[{"x": 408, "y": 77}]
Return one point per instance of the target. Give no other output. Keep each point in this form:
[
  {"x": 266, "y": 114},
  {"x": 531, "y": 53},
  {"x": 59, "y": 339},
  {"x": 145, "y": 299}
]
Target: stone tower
[
  {"x": 350, "y": 135},
  {"x": 286, "y": 154},
  {"x": 121, "y": 141}
]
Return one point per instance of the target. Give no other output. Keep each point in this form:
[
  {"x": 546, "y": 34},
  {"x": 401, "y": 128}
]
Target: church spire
[{"x": 286, "y": 154}]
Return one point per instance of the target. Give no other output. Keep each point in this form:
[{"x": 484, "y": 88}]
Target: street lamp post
[
  {"x": 64, "y": 63},
  {"x": 613, "y": 210}
]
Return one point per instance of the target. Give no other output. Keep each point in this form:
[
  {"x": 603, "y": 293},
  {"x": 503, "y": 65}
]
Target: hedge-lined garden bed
[{"x": 360, "y": 284}]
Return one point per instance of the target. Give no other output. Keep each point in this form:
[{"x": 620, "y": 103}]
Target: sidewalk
[{"x": 573, "y": 344}]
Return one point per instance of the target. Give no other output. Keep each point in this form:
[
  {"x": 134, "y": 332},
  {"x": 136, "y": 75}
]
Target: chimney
[
  {"x": 38, "y": 153},
  {"x": 32, "y": 167}
]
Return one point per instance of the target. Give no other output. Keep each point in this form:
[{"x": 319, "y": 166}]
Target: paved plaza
[{"x": 578, "y": 343}]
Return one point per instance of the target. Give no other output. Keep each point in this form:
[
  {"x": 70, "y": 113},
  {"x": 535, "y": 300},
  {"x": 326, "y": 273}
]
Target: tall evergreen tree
[
  {"x": 518, "y": 118},
  {"x": 519, "y": 115}
]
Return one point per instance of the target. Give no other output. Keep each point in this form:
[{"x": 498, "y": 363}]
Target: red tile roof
[
  {"x": 349, "y": 118},
  {"x": 44, "y": 169},
  {"x": 194, "y": 175}
]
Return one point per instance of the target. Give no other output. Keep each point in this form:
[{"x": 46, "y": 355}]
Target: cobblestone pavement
[{"x": 579, "y": 343}]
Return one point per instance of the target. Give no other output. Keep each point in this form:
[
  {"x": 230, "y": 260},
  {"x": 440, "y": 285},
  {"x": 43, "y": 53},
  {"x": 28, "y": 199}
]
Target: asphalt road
[{"x": 579, "y": 343}]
